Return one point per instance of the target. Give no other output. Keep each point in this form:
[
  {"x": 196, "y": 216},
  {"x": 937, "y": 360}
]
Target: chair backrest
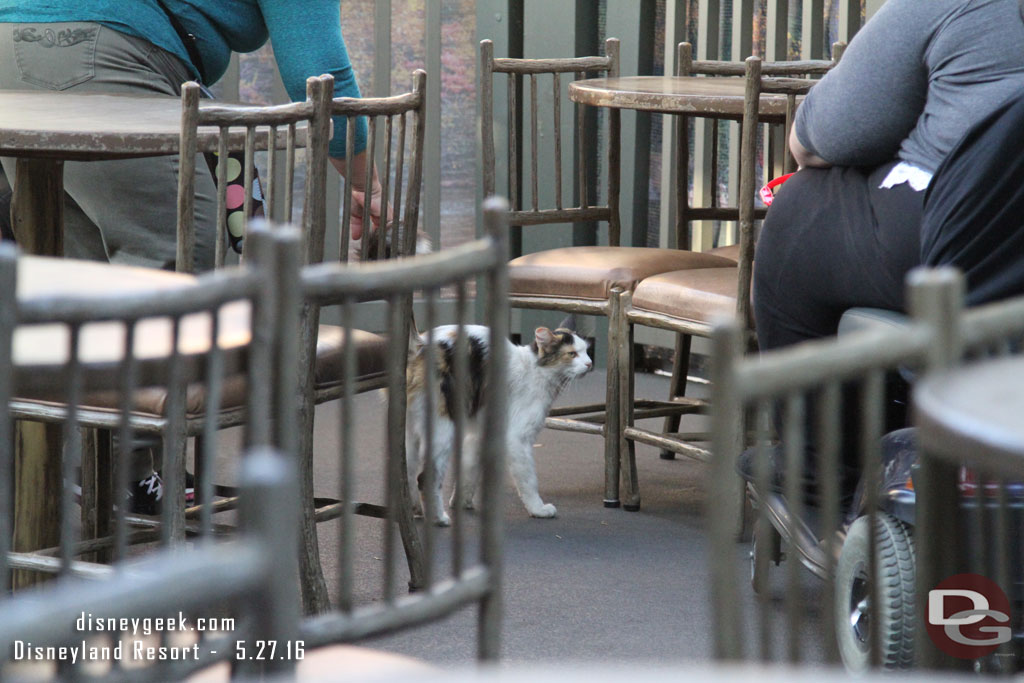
[
  {"x": 252, "y": 128},
  {"x": 397, "y": 156},
  {"x": 806, "y": 390},
  {"x": 588, "y": 208},
  {"x": 474, "y": 576},
  {"x": 233, "y": 595},
  {"x": 138, "y": 353}
]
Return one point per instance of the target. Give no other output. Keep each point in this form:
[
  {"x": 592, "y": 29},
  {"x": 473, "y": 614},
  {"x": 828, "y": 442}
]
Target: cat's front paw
[
  {"x": 443, "y": 520},
  {"x": 417, "y": 509},
  {"x": 467, "y": 502},
  {"x": 545, "y": 511}
]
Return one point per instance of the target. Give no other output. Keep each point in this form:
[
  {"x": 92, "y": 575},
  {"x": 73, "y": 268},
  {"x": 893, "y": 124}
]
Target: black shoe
[{"x": 146, "y": 495}]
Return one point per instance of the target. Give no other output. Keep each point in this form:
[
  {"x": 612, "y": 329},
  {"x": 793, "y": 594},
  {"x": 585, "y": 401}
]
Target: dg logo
[{"x": 968, "y": 616}]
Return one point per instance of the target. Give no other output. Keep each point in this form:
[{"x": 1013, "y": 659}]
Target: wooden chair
[
  {"x": 305, "y": 124},
  {"x": 472, "y": 575},
  {"x": 686, "y": 301},
  {"x": 802, "y": 389},
  {"x": 243, "y": 589},
  {"x": 395, "y": 147},
  {"x": 576, "y": 279},
  {"x": 136, "y": 353}
]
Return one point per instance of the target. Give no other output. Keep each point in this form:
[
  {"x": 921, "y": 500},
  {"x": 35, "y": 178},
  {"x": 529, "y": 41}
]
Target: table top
[
  {"x": 102, "y": 344},
  {"x": 715, "y": 97},
  {"x": 974, "y": 414},
  {"x": 91, "y": 126}
]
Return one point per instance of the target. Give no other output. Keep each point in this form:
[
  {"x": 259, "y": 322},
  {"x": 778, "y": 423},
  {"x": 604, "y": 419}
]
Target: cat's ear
[
  {"x": 543, "y": 337},
  {"x": 569, "y": 323}
]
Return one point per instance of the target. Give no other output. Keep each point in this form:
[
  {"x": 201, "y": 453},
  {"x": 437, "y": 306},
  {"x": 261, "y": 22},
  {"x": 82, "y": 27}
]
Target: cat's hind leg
[
  {"x": 414, "y": 457},
  {"x": 443, "y": 437},
  {"x": 524, "y": 475},
  {"x": 469, "y": 476}
]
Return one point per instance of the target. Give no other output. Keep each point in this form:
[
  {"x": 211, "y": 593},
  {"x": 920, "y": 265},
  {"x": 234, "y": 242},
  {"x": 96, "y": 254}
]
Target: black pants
[{"x": 832, "y": 240}]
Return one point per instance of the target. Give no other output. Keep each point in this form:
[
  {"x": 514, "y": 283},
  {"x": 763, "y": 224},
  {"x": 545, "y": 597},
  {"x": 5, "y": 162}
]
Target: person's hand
[{"x": 356, "y": 221}]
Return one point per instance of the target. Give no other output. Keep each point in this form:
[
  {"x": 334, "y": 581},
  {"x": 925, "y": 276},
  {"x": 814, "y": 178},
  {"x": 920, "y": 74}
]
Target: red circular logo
[{"x": 968, "y": 616}]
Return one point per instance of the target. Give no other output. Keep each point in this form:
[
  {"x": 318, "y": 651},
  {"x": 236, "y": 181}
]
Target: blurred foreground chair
[
  {"x": 473, "y": 573},
  {"x": 686, "y": 301},
  {"x": 233, "y": 594},
  {"x": 134, "y": 352},
  {"x": 395, "y": 148},
  {"x": 805, "y": 390},
  {"x": 572, "y": 279}
]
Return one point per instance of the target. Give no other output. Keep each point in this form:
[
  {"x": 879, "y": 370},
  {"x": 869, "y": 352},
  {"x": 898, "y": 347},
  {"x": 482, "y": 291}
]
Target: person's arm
[
  {"x": 307, "y": 42},
  {"x": 862, "y": 110},
  {"x": 804, "y": 157}
]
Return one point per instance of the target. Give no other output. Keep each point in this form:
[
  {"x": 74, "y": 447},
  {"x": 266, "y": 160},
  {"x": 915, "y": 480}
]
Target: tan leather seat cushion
[
  {"x": 592, "y": 272},
  {"x": 371, "y": 355},
  {"x": 731, "y": 252},
  {"x": 694, "y": 295}
]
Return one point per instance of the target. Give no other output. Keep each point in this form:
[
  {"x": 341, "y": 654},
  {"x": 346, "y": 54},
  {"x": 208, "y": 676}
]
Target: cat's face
[{"x": 562, "y": 350}]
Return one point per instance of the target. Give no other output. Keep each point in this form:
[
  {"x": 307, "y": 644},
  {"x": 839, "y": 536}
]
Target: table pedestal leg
[
  {"x": 37, "y": 207},
  {"x": 37, "y": 216},
  {"x": 37, "y": 491}
]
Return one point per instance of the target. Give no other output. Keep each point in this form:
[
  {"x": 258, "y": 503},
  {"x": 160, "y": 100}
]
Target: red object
[{"x": 768, "y": 191}]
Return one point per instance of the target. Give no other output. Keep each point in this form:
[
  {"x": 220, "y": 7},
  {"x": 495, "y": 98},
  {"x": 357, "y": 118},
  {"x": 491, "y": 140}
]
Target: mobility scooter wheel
[{"x": 855, "y": 616}]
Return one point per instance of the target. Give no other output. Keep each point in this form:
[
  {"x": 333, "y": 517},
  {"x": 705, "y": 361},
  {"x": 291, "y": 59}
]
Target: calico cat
[{"x": 537, "y": 373}]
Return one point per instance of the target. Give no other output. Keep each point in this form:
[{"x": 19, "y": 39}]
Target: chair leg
[
  {"x": 627, "y": 447},
  {"x": 613, "y": 401},
  {"x": 311, "y": 576},
  {"x": 677, "y": 385},
  {"x": 415, "y": 555}
]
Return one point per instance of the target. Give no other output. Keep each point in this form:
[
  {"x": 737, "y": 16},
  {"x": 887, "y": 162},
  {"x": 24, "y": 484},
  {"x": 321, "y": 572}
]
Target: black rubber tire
[
  {"x": 765, "y": 550},
  {"x": 896, "y": 574}
]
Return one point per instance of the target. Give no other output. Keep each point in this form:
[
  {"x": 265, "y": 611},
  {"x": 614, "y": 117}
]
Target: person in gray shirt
[{"x": 845, "y": 229}]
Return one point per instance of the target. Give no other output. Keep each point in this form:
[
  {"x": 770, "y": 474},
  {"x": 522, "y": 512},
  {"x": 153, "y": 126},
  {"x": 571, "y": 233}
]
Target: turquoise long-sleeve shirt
[{"x": 306, "y": 35}]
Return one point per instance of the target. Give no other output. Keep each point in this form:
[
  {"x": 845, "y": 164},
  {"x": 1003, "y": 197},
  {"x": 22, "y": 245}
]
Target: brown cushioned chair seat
[
  {"x": 731, "y": 252},
  {"x": 592, "y": 272},
  {"x": 694, "y": 295},
  {"x": 371, "y": 354}
]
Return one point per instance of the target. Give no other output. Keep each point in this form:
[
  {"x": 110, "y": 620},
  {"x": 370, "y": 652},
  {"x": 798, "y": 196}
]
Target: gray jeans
[{"x": 120, "y": 211}]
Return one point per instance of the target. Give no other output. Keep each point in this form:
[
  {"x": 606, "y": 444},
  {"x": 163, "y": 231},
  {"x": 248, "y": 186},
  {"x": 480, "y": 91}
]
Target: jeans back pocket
[{"x": 56, "y": 56}]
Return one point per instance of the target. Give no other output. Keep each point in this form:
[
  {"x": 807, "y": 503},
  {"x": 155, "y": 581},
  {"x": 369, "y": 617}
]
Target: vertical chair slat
[
  {"x": 72, "y": 460},
  {"x": 289, "y": 170},
  {"x": 395, "y": 440},
  {"x": 346, "y": 204},
  {"x": 828, "y": 425},
  {"x": 173, "y": 521},
  {"x": 347, "y": 440},
  {"x": 385, "y": 185},
  {"x": 8, "y": 319},
  {"x": 269, "y": 200},
  {"x": 762, "y": 478},
  {"x": 557, "y": 101},
  {"x": 207, "y": 458},
  {"x": 220, "y": 241},
  {"x": 460, "y": 375},
  {"x": 793, "y": 442},
  {"x": 513, "y": 135},
  {"x": 249, "y": 174},
  {"x": 581, "y": 152},
  {"x": 431, "y": 407},
  {"x": 400, "y": 237},
  {"x": 534, "y": 134},
  {"x": 184, "y": 258},
  {"x": 368, "y": 185},
  {"x": 871, "y": 426},
  {"x": 126, "y": 387}
]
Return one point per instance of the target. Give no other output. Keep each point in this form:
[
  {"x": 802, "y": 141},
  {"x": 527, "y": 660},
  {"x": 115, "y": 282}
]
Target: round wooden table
[
  {"x": 718, "y": 97},
  {"x": 975, "y": 414},
  {"x": 43, "y": 129}
]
